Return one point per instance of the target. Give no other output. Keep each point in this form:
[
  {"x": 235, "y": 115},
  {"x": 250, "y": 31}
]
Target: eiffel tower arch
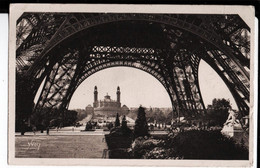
[{"x": 61, "y": 50}]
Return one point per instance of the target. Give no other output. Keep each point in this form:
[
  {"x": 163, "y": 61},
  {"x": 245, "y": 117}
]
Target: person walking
[
  {"x": 34, "y": 130},
  {"x": 48, "y": 129}
]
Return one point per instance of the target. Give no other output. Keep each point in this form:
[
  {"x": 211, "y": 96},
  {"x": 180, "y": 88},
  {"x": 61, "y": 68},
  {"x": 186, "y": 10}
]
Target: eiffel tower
[{"x": 61, "y": 50}]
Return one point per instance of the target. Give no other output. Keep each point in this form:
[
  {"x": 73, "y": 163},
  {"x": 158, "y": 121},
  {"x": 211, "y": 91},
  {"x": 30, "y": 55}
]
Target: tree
[
  {"x": 217, "y": 113},
  {"x": 124, "y": 123},
  {"x": 81, "y": 114},
  {"x": 53, "y": 117},
  {"x": 117, "y": 122},
  {"x": 159, "y": 116},
  {"x": 141, "y": 126},
  {"x": 70, "y": 117},
  {"x": 24, "y": 102},
  {"x": 169, "y": 118}
]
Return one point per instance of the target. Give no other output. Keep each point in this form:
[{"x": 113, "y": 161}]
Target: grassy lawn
[{"x": 63, "y": 146}]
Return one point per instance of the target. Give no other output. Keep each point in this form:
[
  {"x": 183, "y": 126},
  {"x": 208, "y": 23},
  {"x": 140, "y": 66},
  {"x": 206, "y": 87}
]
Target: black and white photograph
[{"x": 131, "y": 85}]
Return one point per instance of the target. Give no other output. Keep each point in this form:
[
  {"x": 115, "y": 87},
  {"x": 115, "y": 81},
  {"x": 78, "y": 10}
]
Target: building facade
[{"x": 107, "y": 107}]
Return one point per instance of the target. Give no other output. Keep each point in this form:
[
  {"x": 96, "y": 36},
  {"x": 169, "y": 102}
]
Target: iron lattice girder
[
  {"x": 235, "y": 34},
  {"x": 193, "y": 23},
  {"x": 42, "y": 28},
  {"x": 95, "y": 66},
  {"x": 35, "y": 34},
  {"x": 57, "y": 82},
  {"x": 242, "y": 103},
  {"x": 139, "y": 17},
  {"x": 232, "y": 71},
  {"x": 181, "y": 36},
  {"x": 206, "y": 33},
  {"x": 110, "y": 58}
]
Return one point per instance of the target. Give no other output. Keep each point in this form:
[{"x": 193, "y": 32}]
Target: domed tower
[
  {"x": 95, "y": 104},
  {"x": 118, "y": 94},
  {"x": 118, "y": 97}
]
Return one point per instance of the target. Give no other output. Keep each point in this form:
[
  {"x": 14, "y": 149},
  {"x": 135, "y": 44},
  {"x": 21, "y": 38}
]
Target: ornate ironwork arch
[
  {"x": 73, "y": 25},
  {"x": 129, "y": 64}
]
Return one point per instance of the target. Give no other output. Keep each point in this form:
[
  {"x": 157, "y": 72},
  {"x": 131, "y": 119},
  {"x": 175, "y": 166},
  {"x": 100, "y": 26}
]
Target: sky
[{"x": 140, "y": 88}]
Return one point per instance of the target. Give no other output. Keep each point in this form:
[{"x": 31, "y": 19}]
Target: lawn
[{"x": 60, "y": 146}]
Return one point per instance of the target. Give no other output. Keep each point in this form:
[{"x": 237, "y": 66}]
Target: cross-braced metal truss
[{"x": 66, "y": 48}]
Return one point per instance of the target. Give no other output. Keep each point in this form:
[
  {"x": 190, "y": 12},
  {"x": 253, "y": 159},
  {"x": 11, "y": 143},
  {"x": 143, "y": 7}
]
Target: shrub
[
  {"x": 141, "y": 126},
  {"x": 119, "y": 153},
  {"x": 197, "y": 144},
  {"x": 192, "y": 144},
  {"x": 119, "y": 137},
  {"x": 115, "y": 142},
  {"x": 158, "y": 153},
  {"x": 119, "y": 131},
  {"x": 142, "y": 145}
]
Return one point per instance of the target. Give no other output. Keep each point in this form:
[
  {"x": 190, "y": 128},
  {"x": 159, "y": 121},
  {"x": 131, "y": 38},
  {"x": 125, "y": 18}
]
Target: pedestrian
[
  {"x": 34, "y": 130},
  {"x": 47, "y": 130}
]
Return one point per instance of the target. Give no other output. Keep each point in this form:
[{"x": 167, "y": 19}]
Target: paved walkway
[{"x": 86, "y": 119}]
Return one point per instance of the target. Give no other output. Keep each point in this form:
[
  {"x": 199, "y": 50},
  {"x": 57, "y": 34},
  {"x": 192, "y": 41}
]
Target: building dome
[
  {"x": 107, "y": 98},
  {"x": 89, "y": 109},
  {"x": 124, "y": 107},
  {"x": 124, "y": 110}
]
